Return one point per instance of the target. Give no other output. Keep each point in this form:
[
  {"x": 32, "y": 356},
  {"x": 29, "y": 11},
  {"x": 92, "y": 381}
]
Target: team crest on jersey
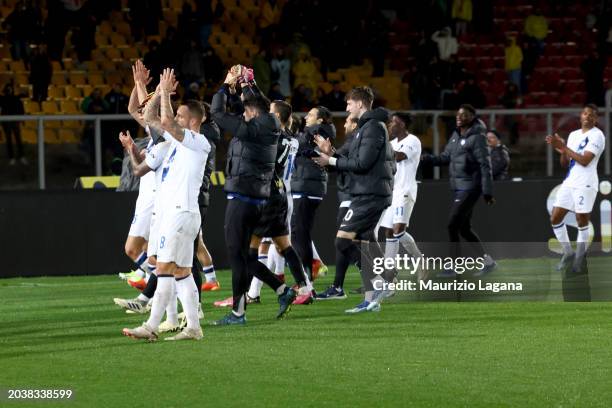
[{"x": 462, "y": 142}]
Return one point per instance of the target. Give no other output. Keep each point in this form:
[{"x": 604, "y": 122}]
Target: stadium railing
[{"x": 493, "y": 116}]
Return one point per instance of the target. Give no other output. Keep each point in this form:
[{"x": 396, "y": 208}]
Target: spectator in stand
[
  {"x": 536, "y": 28},
  {"x": 472, "y": 94},
  {"x": 117, "y": 103},
  {"x": 41, "y": 71},
  {"x": 275, "y": 93},
  {"x": 170, "y": 49},
  {"x": 94, "y": 104},
  {"x": 214, "y": 67},
  {"x": 206, "y": 18},
  {"x": 281, "y": 70},
  {"x": 424, "y": 49},
  {"x": 447, "y": 44},
  {"x": 84, "y": 34},
  {"x": 269, "y": 16},
  {"x": 514, "y": 59},
  {"x": 301, "y": 101},
  {"x": 511, "y": 99},
  {"x": 334, "y": 100},
  {"x": 500, "y": 156},
  {"x": 462, "y": 14},
  {"x": 153, "y": 60},
  {"x": 192, "y": 65},
  {"x": 306, "y": 72},
  {"x": 593, "y": 68},
  {"x": 377, "y": 41},
  {"x": 192, "y": 92},
  {"x": 24, "y": 27},
  {"x": 262, "y": 71},
  {"x": 10, "y": 104}
]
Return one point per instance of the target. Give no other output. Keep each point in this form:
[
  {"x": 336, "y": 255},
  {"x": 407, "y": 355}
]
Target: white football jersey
[
  {"x": 155, "y": 159},
  {"x": 182, "y": 173},
  {"x": 404, "y": 181},
  {"x": 579, "y": 176},
  {"x": 146, "y": 189},
  {"x": 290, "y": 164}
]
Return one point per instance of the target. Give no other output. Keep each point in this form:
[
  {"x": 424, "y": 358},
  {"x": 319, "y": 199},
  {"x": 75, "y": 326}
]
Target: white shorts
[
  {"x": 177, "y": 233},
  {"x": 577, "y": 200},
  {"x": 141, "y": 223},
  {"x": 153, "y": 236},
  {"x": 399, "y": 212}
]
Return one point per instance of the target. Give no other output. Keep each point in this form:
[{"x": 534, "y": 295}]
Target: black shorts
[
  {"x": 273, "y": 220},
  {"x": 341, "y": 213},
  {"x": 363, "y": 214}
]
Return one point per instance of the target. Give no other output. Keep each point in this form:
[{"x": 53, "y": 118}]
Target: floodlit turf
[{"x": 66, "y": 333}]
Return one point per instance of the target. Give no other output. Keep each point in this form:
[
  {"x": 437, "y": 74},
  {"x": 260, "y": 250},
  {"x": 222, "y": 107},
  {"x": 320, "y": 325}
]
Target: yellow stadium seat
[
  {"x": 51, "y": 135},
  {"x": 108, "y": 65},
  {"x": 72, "y": 124},
  {"x": 69, "y": 136},
  {"x": 175, "y": 5},
  {"x": 22, "y": 79},
  {"x": 95, "y": 79},
  {"x": 91, "y": 66},
  {"x": 56, "y": 66},
  {"x": 130, "y": 53},
  {"x": 53, "y": 124},
  {"x": 69, "y": 106},
  {"x": 31, "y": 107},
  {"x": 49, "y": 107},
  {"x": 17, "y": 66},
  {"x": 113, "y": 53},
  {"x": 123, "y": 28},
  {"x": 68, "y": 63},
  {"x": 72, "y": 92},
  {"x": 101, "y": 39},
  {"x": 29, "y": 136},
  {"x": 86, "y": 89},
  {"x": 56, "y": 92},
  {"x": 77, "y": 78},
  {"x": 117, "y": 39},
  {"x": 58, "y": 78}
]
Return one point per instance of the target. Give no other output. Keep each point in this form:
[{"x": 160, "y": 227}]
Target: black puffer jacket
[
  {"x": 370, "y": 160},
  {"x": 252, "y": 151},
  {"x": 468, "y": 159},
  {"x": 344, "y": 178},
  {"x": 211, "y": 131},
  {"x": 308, "y": 177},
  {"x": 500, "y": 162}
]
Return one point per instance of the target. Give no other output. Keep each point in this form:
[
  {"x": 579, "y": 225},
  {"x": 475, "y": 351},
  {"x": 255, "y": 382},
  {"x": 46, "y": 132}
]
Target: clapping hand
[
  {"x": 141, "y": 73},
  {"x": 126, "y": 140},
  {"x": 323, "y": 144},
  {"x": 167, "y": 81},
  {"x": 556, "y": 142}
]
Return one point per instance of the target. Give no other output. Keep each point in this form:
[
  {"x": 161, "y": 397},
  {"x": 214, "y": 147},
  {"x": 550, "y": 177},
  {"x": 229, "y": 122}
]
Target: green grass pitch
[{"x": 65, "y": 332}]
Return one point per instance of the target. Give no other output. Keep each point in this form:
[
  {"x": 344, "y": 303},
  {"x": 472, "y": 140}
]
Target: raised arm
[
  {"x": 139, "y": 167},
  {"x": 167, "y": 85},
  {"x": 568, "y": 154}
]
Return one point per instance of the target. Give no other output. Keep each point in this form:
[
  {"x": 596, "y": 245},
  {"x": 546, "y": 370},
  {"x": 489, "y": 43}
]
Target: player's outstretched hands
[
  {"x": 322, "y": 160},
  {"x": 167, "y": 81},
  {"x": 489, "y": 199},
  {"x": 323, "y": 144},
  {"x": 140, "y": 73},
  {"x": 556, "y": 142},
  {"x": 126, "y": 140}
]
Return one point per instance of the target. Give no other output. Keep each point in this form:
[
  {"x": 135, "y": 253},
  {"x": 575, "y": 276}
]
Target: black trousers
[
  {"x": 241, "y": 218},
  {"x": 11, "y": 129},
  {"x": 302, "y": 221},
  {"x": 460, "y": 220}
]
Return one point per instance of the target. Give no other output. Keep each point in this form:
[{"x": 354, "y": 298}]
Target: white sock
[
  {"x": 581, "y": 241},
  {"x": 315, "y": 253},
  {"x": 209, "y": 273},
  {"x": 409, "y": 244},
  {"x": 151, "y": 270},
  {"x": 240, "y": 307},
  {"x": 255, "y": 288},
  {"x": 163, "y": 293},
  {"x": 369, "y": 295},
  {"x": 172, "y": 310},
  {"x": 188, "y": 294},
  {"x": 488, "y": 260},
  {"x": 560, "y": 231},
  {"x": 391, "y": 247},
  {"x": 142, "y": 263},
  {"x": 143, "y": 298},
  {"x": 281, "y": 289},
  {"x": 276, "y": 262}
]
